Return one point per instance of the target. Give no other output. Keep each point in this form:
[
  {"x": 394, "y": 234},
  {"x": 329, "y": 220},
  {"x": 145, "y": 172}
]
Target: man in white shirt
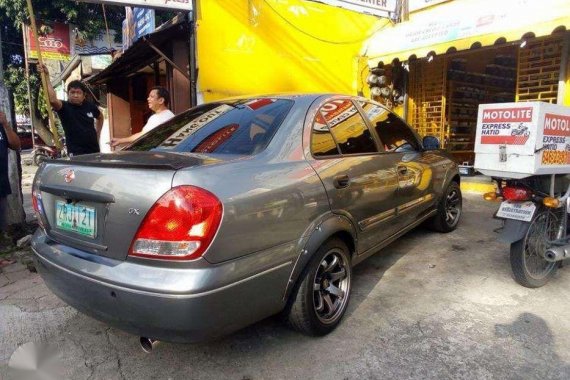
[{"x": 158, "y": 100}]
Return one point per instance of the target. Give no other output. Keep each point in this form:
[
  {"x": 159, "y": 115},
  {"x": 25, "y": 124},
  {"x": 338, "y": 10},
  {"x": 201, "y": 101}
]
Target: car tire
[
  {"x": 449, "y": 210},
  {"x": 321, "y": 297}
]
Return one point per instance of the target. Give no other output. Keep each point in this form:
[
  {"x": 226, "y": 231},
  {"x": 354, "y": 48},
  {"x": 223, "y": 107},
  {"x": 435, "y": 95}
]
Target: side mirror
[{"x": 431, "y": 143}]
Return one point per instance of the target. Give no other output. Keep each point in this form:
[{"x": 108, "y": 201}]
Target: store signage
[
  {"x": 98, "y": 45},
  {"x": 506, "y": 126},
  {"x": 457, "y": 20},
  {"x": 556, "y": 140},
  {"x": 144, "y": 21},
  {"x": 183, "y": 5},
  {"x": 382, "y": 8},
  {"x": 55, "y": 45}
]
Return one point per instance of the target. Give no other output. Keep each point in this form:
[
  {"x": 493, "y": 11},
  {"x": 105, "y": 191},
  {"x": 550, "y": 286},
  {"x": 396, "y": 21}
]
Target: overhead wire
[{"x": 106, "y": 27}]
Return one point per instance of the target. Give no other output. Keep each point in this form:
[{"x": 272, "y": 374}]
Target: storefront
[{"x": 439, "y": 66}]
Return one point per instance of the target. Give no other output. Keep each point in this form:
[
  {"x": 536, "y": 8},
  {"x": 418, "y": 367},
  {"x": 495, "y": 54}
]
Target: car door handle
[
  {"x": 341, "y": 181},
  {"x": 402, "y": 169}
]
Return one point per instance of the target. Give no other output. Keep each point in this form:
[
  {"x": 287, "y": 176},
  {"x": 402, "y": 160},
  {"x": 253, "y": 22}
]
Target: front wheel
[
  {"x": 321, "y": 298},
  {"x": 448, "y": 210},
  {"x": 529, "y": 267}
]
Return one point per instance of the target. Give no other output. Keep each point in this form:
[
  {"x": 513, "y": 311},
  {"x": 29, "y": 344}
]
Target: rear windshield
[{"x": 242, "y": 127}]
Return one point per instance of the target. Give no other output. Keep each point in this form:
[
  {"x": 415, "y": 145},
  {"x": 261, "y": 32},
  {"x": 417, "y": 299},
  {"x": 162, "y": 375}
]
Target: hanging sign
[
  {"x": 144, "y": 21},
  {"x": 181, "y": 5},
  {"x": 382, "y": 8},
  {"x": 55, "y": 45}
]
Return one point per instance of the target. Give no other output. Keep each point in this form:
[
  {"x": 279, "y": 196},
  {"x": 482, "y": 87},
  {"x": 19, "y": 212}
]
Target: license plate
[
  {"x": 76, "y": 217},
  {"x": 517, "y": 210}
]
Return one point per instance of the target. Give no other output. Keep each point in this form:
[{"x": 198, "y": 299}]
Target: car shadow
[{"x": 367, "y": 275}]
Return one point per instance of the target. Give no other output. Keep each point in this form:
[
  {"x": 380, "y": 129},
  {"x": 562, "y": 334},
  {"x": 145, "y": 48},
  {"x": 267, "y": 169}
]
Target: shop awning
[
  {"x": 144, "y": 51},
  {"x": 461, "y": 25}
]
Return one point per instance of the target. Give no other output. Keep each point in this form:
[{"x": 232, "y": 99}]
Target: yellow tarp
[{"x": 272, "y": 46}]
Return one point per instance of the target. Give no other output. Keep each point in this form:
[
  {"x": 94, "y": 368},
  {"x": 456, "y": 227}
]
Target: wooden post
[{"x": 44, "y": 77}]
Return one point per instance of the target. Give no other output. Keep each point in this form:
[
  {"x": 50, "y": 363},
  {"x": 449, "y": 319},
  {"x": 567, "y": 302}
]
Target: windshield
[{"x": 240, "y": 127}]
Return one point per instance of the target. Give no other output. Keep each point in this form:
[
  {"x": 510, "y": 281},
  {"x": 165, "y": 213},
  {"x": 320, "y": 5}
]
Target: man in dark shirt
[
  {"x": 77, "y": 115},
  {"x": 8, "y": 139}
]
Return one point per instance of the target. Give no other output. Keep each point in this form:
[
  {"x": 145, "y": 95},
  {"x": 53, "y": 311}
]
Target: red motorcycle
[{"x": 44, "y": 152}]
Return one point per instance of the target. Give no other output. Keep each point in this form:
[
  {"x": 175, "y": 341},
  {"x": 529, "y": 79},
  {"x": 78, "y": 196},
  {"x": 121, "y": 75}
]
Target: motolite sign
[
  {"x": 506, "y": 126},
  {"x": 383, "y": 8},
  {"x": 182, "y": 5},
  {"x": 556, "y": 140}
]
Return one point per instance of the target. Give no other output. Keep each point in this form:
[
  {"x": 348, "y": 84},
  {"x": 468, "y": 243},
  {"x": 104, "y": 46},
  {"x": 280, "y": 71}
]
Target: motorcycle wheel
[
  {"x": 529, "y": 267},
  {"x": 39, "y": 158}
]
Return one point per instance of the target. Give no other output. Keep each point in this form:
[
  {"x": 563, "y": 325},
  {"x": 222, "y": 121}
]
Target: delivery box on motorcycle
[{"x": 517, "y": 140}]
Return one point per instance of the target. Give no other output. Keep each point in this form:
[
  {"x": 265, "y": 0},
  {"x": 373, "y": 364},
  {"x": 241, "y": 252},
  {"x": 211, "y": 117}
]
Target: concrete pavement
[{"x": 428, "y": 306}]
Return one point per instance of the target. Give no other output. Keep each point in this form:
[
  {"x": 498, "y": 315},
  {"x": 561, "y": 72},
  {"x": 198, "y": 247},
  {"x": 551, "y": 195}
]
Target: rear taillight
[
  {"x": 512, "y": 193},
  {"x": 179, "y": 226},
  {"x": 38, "y": 206}
]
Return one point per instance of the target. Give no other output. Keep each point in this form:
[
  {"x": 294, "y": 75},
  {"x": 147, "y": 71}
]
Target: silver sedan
[{"x": 237, "y": 210}]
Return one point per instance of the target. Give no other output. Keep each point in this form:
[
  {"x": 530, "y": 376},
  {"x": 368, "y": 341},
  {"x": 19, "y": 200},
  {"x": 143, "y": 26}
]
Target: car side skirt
[{"x": 364, "y": 255}]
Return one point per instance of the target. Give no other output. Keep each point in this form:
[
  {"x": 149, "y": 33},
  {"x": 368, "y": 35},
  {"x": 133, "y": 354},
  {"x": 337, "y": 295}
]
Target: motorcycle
[
  {"x": 534, "y": 211},
  {"x": 41, "y": 153}
]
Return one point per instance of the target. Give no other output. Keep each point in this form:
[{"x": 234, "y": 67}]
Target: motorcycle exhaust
[
  {"x": 557, "y": 253},
  {"x": 147, "y": 344}
]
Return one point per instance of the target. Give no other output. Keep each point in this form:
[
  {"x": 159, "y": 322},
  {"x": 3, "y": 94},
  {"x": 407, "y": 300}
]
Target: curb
[
  {"x": 476, "y": 187},
  {"x": 478, "y": 184}
]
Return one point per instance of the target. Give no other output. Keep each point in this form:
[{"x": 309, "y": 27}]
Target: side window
[
  {"x": 394, "y": 134},
  {"x": 348, "y": 127},
  {"x": 322, "y": 142}
]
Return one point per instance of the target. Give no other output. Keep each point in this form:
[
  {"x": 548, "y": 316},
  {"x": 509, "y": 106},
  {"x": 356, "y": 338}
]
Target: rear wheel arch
[
  {"x": 348, "y": 239},
  {"x": 320, "y": 298},
  {"x": 335, "y": 226}
]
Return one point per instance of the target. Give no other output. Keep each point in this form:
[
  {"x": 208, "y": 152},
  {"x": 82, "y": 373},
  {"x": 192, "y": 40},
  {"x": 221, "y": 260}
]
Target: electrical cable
[
  {"x": 11, "y": 43},
  {"x": 107, "y": 27},
  {"x": 322, "y": 39}
]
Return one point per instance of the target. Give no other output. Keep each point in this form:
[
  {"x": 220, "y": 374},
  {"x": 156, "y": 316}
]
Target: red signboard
[
  {"x": 55, "y": 45},
  {"x": 556, "y": 125},
  {"x": 506, "y": 125}
]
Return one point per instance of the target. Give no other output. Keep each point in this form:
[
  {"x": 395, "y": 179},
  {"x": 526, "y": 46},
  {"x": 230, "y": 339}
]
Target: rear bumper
[{"x": 195, "y": 308}]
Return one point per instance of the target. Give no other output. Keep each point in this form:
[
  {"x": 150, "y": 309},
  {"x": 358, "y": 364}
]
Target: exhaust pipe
[
  {"x": 147, "y": 344},
  {"x": 557, "y": 253}
]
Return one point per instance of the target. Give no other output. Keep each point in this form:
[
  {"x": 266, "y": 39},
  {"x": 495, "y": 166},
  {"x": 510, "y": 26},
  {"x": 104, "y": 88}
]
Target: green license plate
[{"x": 76, "y": 218}]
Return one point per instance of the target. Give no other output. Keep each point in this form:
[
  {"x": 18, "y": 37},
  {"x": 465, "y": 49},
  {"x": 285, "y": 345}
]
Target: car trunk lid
[{"x": 96, "y": 203}]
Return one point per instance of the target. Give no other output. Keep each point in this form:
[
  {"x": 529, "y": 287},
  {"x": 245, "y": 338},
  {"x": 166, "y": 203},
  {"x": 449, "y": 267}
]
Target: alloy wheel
[
  {"x": 452, "y": 207},
  {"x": 331, "y": 286}
]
